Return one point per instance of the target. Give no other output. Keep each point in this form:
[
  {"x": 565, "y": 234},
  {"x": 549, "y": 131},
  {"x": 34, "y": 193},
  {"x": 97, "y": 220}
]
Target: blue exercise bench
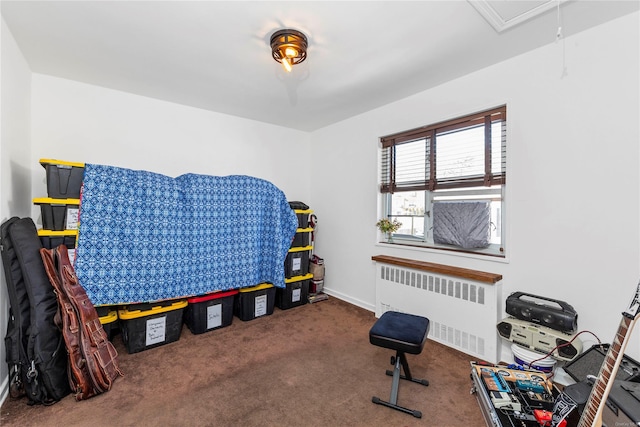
[{"x": 404, "y": 333}]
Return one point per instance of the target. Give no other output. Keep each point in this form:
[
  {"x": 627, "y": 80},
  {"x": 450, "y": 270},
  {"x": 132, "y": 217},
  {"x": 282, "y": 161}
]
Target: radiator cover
[{"x": 463, "y": 313}]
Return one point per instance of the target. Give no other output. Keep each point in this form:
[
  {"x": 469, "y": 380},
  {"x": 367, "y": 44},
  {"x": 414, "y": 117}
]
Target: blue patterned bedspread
[{"x": 147, "y": 237}]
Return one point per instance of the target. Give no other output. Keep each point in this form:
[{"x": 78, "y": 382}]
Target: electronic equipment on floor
[
  {"x": 552, "y": 313},
  {"x": 507, "y": 396},
  {"x": 560, "y": 345}
]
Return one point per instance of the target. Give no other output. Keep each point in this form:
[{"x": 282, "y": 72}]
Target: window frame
[{"x": 493, "y": 181}]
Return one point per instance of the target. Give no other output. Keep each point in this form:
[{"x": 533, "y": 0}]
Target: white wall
[
  {"x": 15, "y": 170},
  {"x": 587, "y": 117},
  {"x": 48, "y": 117},
  {"x": 84, "y": 123},
  {"x": 572, "y": 121},
  {"x": 15, "y": 129}
]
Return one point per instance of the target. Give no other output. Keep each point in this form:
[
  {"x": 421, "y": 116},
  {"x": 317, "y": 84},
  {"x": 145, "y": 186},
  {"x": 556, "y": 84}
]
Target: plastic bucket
[{"x": 525, "y": 357}]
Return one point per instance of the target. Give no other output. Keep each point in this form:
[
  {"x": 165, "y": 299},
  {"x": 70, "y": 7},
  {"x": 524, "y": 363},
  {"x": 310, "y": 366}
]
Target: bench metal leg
[
  {"x": 405, "y": 367},
  {"x": 400, "y": 363}
]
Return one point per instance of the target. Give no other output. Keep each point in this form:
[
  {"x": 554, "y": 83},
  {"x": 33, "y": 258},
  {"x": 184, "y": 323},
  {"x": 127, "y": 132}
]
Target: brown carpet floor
[{"x": 310, "y": 365}]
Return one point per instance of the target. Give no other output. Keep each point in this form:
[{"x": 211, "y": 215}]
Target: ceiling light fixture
[{"x": 289, "y": 47}]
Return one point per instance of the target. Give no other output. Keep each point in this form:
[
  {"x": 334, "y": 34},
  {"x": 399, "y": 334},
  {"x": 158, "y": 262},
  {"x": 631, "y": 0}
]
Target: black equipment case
[
  {"x": 36, "y": 353},
  {"x": 507, "y": 397},
  {"x": 623, "y": 403}
]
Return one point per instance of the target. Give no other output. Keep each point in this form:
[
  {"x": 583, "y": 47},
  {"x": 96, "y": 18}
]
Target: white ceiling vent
[{"x": 506, "y": 14}]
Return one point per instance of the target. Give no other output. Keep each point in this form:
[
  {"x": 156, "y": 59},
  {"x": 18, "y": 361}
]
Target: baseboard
[
  {"x": 4, "y": 390},
  {"x": 350, "y": 300}
]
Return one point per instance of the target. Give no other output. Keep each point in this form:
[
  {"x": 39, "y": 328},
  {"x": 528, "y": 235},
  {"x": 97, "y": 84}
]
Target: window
[{"x": 457, "y": 167}]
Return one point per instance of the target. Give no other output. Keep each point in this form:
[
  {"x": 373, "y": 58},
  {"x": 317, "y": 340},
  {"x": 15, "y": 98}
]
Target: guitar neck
[{"x": 592, "y": 414}]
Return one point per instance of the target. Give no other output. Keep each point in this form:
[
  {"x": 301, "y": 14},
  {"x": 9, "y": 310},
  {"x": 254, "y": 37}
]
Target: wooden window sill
[{"x": 480, "y": 276}]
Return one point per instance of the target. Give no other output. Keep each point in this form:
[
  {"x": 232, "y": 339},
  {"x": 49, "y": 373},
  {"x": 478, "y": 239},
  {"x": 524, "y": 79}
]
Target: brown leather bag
[{"x": 93, "y": 360}]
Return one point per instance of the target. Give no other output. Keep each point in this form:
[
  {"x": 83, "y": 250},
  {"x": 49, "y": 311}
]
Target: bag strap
[
  {"x": 100, "y": 354},
  {"x": 78, "y": 374}
]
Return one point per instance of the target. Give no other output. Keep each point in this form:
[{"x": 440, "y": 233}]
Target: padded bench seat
[
  {"x": 400, "y": 331},
  {"x": 404, "y": 333}
]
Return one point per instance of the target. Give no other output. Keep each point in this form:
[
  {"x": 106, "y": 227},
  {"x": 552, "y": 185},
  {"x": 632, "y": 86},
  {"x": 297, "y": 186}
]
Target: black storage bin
[
  {"x": 294, "y": 294},
  {"x": 108, "y": 318},
  {"x": 298, "y": 205},
  {"x": 52, "y": 239},
  {"x": 256, "y": 301},
  {"x": 297, "y": 262},
  {"x": 303, "y": 217},
  {"x": 64, "y": 179},
  {"x": 59, "y": 214},
  {"x": 302, "y": 237},
  {"x": 208, "y": 312},
  {"x": 145, "y": 326}
]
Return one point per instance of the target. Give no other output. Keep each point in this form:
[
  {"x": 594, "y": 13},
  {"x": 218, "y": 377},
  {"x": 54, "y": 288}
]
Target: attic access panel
[{"x": 506, "y": 14}]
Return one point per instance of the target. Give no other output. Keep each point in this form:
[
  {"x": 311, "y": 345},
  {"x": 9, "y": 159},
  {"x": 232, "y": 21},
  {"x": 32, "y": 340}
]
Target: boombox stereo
[
  {"x": 563, "y": 346},
  {"x": 547, "y": 312}
]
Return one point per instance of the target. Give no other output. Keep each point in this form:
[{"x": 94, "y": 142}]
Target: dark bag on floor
[
  {"x": 93, "y": 360},
  {"x": 35, "y": 350}
]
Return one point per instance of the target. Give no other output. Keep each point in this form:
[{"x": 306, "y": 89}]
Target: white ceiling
[{"x": 215, "y": 55}]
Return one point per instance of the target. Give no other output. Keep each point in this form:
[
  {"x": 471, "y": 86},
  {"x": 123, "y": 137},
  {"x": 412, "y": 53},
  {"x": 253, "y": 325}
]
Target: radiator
[{"x": 462, "y": 313}]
